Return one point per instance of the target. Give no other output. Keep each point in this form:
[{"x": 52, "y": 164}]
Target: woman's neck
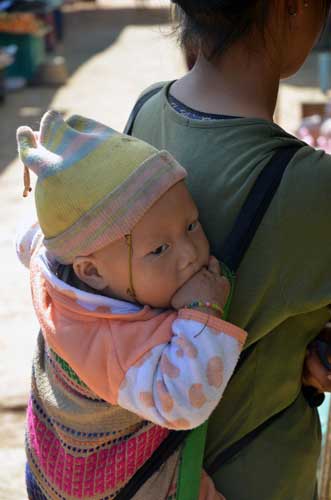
[{"x": 239, "y": 85}]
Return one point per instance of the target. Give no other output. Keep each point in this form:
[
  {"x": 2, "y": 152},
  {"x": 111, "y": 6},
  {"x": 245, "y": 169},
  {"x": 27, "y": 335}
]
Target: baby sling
[{"x": 231, "y": 254}]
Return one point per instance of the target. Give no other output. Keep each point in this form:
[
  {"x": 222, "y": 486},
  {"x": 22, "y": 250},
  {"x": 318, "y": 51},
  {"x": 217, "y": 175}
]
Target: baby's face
[{"x": 169, "y": 247}]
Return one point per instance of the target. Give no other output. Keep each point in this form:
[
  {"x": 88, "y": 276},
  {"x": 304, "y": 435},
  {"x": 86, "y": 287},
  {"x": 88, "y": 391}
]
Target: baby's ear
[{"x": 85, "y": 268}]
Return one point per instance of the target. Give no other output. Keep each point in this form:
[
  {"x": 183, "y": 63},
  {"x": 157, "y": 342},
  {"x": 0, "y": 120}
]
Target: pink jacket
[{"x": 166, "y": 366}]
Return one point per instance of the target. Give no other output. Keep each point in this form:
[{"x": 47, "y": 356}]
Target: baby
[{"x": 130, "y": 306}]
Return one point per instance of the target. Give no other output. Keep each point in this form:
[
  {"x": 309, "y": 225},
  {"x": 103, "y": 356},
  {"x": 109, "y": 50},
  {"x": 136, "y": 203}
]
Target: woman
[{"x": 218, "y": 121}]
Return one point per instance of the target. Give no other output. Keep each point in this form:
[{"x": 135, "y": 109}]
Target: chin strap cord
[
  {"x": 27, "y": 183},
  {"x": 130, "y": 291}
]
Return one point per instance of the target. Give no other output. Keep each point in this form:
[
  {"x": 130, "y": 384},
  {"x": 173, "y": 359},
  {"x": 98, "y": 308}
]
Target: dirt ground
[{"x": 113, "y": 51}]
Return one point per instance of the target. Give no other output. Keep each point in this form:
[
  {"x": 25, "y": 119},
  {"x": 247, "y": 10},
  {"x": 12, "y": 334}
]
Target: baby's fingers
[
  {"x": 213, "y": 265},
  {"x": 226, "y": 288}
]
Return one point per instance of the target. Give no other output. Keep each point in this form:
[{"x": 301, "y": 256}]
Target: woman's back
[{"x": 282, "y": 292}]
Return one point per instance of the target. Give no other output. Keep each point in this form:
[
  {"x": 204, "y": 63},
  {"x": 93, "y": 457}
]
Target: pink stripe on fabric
[
  {"x": 102, "y": 471},
  {"x": 67, "y": 383}
]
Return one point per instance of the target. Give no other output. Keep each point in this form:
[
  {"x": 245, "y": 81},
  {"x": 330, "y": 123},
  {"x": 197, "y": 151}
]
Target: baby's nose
[{"x": 188, "y": 254}]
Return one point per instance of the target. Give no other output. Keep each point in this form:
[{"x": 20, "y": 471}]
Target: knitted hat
[{"x": 94, "y": 184}]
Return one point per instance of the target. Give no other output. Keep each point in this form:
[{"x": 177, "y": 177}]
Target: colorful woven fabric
[
  {"x": 67, "y": 460},
  {"x": 78, "y": 445},
  {"x": 66, "y": 369},
  {"x": 94, "y": 184},
  {"x": 33, "y": 490}
]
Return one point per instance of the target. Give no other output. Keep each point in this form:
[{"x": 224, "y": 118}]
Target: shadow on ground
[{"x": 89, "y": 30}]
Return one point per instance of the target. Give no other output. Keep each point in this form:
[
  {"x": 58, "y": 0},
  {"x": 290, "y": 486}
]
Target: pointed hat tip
[
  {"x": 50, "y": 121},
  {"x": 25, "y": 138}
]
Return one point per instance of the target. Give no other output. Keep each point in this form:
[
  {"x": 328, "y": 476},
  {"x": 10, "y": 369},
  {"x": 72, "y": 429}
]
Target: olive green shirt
[{"x": 282, "y": 293}]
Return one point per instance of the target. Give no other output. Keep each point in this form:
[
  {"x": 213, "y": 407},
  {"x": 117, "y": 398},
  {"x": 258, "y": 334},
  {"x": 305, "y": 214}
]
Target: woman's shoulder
[
  {"x": 303, "y": 201},
  {"x": 311, "y": 167},
  {"x": 152, "y": 93},
  {"x": 249, "y": 138},
  {"x": 155, "y": 87}
]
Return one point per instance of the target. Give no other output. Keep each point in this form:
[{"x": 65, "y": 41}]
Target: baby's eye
[
  {"x": 193, "y": 225},
  {"x": 160, "y": 250}
]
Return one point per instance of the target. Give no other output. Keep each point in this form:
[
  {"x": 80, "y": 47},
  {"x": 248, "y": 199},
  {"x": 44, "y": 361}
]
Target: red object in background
[{"x": 315, "y": 130}]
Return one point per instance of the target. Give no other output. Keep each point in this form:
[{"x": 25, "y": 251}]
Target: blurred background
[{"x": 94, "y": 58}]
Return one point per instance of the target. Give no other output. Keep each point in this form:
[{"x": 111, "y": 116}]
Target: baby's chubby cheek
[
  {"x": 155, "y": 290},
  {"x": 166, "y": 293}
]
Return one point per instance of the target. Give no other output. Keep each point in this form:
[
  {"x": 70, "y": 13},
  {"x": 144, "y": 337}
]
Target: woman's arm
[
  {"x": 315, "y": 374},
  {"x": 304, "y": 219}
]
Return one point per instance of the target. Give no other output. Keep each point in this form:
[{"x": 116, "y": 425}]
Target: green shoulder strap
[{"x": 194, "y": 447}]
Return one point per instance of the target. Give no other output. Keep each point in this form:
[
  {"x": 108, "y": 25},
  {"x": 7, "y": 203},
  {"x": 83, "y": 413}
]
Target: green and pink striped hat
[{"x": 94, "y": 184}]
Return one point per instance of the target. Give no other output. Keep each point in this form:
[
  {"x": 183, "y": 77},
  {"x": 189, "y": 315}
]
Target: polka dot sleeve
[{"x": 178, "y": 384}]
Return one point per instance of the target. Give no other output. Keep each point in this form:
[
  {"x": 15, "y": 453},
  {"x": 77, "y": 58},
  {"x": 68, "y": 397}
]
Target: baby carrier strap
[
  {"x": 137, "y": 107},
  {"x": 232, "y": 252},
  {"x": 255, "y": 206}
]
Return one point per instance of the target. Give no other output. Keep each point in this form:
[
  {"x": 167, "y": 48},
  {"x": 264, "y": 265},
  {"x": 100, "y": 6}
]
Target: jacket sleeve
[
  {"x": 28, "y": 239},
  {"x": 177, "y": 384},
  {"x": 168, "y": 367}
]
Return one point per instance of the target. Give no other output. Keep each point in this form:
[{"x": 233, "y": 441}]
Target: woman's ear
[{"x": 86, "y": 270}]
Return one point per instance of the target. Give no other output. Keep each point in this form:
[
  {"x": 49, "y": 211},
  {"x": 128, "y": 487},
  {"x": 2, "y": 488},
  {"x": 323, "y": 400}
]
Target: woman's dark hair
[{"x": 214, "y": 25}]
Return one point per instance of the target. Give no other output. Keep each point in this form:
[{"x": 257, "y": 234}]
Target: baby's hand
[{"x": 205, "y": 286}]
